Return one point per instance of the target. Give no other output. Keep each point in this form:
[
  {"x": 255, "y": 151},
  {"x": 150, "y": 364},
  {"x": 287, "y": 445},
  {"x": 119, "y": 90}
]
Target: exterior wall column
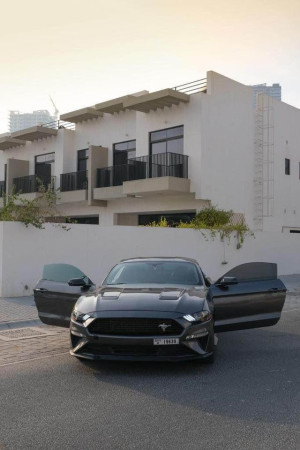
[
  {"x": 98, "y": 157},
  {"x": 15, "y": 168}
]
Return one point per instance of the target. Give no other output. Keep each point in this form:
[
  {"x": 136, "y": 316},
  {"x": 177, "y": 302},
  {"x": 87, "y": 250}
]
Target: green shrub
[
  {"x": 162, "y": 223},
  {"x": 212, "y": 222},
  {"x": 213, "y": 217}
]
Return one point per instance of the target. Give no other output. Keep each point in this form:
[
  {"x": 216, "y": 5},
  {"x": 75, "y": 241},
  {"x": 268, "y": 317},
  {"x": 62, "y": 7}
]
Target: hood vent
[
  {"x": 111, "y": 295},
  {"x": 170, "y": 295}
]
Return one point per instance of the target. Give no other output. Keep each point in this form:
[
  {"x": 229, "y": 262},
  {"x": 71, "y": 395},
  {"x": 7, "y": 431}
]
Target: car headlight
[
  {"x": 79, "y": 317},
  {"x": 202, "y": 316}
]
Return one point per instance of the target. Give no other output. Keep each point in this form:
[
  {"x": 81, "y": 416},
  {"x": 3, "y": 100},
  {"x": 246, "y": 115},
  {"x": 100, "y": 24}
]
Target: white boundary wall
[{"x": 94, "y": 249}]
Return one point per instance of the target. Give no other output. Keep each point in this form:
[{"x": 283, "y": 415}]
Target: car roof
[{"x": 160, "y": 258}]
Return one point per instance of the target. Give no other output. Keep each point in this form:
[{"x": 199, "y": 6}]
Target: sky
[{"x": 84, "y": 52}]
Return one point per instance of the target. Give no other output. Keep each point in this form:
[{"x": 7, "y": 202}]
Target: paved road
[{"x": 249, "y": 399}]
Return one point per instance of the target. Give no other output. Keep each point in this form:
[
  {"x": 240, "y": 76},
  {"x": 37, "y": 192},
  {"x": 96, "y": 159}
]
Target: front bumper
[{"x": 195, "y": 342}]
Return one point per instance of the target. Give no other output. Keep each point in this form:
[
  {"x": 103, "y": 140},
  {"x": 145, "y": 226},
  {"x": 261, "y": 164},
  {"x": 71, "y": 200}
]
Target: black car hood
[{"x": 178, "y": 299}]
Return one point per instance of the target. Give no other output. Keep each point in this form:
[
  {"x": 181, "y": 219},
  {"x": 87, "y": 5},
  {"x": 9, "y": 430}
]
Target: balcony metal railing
[
  {"x": 58, "y": 124},
  {"x": 33, "y": 183},
  {"x": 193, "y": 87},
  {"x": 150, "y": 166},
  {"x": 2, "y": 188},
  {"x": 73, "y": 181}
]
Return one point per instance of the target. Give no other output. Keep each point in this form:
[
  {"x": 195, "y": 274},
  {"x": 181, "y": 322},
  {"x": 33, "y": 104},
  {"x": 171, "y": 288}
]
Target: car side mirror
[
  {"x": 227, "y": 281},
  {"x": 79, "y": 282}
]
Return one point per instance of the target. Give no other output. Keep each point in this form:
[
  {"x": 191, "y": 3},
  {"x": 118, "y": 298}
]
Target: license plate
[{"x": 165, "y": 341}]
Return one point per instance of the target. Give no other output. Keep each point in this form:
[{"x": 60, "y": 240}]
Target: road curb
[{"x": 20, "y": 324}]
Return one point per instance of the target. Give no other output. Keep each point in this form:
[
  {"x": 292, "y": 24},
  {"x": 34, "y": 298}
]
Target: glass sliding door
[
  {"x": 123, "y": 152},
  {"x": 82, "y": 159},
  {"x": 44, "y": 168},
  {"x": 164, "y": 146}
]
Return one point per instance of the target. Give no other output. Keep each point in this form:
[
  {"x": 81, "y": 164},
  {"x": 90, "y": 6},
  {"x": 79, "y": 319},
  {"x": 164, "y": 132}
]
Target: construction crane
[{"x": 56, "y": 112}]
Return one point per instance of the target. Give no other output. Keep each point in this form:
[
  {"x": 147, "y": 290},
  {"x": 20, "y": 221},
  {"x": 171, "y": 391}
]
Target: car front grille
[{"x": 135, "y": 327}]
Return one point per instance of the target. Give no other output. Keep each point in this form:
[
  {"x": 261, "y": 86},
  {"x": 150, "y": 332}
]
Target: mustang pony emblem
[{"x": 163, "y": 326}]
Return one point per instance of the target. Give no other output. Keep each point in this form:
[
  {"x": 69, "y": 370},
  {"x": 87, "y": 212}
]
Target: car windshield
[{"x": 154, "y": 272}]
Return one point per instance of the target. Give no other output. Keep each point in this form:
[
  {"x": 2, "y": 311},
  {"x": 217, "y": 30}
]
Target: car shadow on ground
[{"x": 255, "y": 377}]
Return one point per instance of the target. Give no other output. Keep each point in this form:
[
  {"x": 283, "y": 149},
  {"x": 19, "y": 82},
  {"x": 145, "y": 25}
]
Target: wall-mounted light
[{"x": 134, "y": 196}]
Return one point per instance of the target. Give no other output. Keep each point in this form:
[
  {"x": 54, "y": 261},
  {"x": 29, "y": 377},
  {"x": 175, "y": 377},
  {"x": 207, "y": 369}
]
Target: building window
[
  {"x": 47, "y": 158},
  {"x": 82, "y": 159},
  {"x": 84, "y": 220},
  {"x": 44, "y": 166},
  {"x": 287, "y": 166},
  {"x": 169, "y": 140},
  {"x": 123, "y": 151}
]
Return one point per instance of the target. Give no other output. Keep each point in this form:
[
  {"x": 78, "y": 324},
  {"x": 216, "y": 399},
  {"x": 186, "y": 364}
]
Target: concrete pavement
[
  {"x": 249, "y": 399},
  {"x": 23, "y": 337},
  {"x": 17, "y": 310}
]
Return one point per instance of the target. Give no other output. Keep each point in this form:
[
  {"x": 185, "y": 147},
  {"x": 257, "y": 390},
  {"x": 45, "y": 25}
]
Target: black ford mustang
[{"x": 157, "y": 308}]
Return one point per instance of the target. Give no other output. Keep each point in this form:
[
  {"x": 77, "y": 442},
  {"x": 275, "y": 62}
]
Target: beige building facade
[{"x": 134, "y": 159}]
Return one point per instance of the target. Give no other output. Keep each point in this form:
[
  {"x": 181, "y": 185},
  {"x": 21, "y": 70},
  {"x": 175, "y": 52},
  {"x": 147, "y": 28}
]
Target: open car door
[
  {"x": 248, "y": 296},
  {"x": 55, "y": 297}
]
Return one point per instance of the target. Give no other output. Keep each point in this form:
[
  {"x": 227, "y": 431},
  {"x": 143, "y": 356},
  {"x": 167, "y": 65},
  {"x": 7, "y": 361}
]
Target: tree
[{"x": 33, "y": 212}]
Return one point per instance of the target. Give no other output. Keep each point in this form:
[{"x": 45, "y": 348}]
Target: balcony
[
  {"x": 32, "y": 184},
  {"x": 165, "y": 173},
  {"x": 73, "y": 187},
  {"x": 160, "y": 165}
]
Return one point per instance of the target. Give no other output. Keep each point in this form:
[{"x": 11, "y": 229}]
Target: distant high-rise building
[
  {"x": 20, "y": 121},
  {"x": 273, "y": 91}
]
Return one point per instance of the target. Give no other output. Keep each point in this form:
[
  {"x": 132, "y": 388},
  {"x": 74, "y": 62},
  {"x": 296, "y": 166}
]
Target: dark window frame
[
  {"x": 287, "y": 166},
  {"x": 5, "y": 175},
  {"x": 79, "y": 159},
  {"x": 88, "y": 219},
  {"x": 124, "y": 150},
  {"x": 46, "y": 178},
  {"x": 166, "y": 139},
  {"x": 44, "y": 154}
]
